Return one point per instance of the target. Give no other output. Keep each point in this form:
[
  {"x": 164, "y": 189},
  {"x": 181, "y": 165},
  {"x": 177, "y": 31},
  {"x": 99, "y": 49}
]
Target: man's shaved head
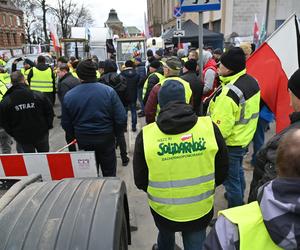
[{"x": 288, "y": 155}]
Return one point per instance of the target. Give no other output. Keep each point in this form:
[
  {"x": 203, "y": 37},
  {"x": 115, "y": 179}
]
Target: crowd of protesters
[{"x": 199, "y": 126}]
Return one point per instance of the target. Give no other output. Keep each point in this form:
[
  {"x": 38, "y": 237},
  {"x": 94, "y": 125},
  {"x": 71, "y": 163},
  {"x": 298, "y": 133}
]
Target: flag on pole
[
  {"x": 263, "y": 33},
  {"x": 255, "y": 32},
  {"x": 273, "y": 64},
  {"x": 54, "y": 37}
]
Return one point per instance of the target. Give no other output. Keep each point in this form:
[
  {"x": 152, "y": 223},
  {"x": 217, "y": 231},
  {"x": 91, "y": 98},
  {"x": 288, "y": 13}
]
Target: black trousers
[
  {"x": 105, "y": 157},
  {"x": 69, "y": 139},
  {"x": 121, "y": 142},
  {"x": 42, "y": 145}
]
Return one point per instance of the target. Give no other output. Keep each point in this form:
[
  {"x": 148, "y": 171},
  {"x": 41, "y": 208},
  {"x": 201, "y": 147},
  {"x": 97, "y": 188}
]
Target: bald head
[{"x": 288, "y": 154}]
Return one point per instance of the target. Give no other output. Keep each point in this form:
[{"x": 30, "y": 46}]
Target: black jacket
[
  {"x": 67, "y": 82},
  {"x": 265, "y": 169},
  {"x": 176, "y": 118},
  {"x": 118, "y": 83},
  {"x": 196, "y": 87},
  {"x": 132, "y": 81},
  {"x": 42, "y": 67},
  {"x": 25, "y": 114}
]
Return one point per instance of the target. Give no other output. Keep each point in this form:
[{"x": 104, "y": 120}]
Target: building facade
[
  {"x": 12, "y": 36},
  {"x": 236, "y": 17}
]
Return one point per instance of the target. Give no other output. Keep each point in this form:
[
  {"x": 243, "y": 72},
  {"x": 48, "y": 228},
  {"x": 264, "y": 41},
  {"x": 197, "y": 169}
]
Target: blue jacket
[{"x": 93, "y": 109}]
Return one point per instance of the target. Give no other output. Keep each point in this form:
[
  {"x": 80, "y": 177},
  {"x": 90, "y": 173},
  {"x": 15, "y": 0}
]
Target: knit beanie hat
[
  {"x": 294, "y": 83},
  {"x": 234, "y": 59},
  {"x": 191, "y": 65},
  {"x": 171, "y": 90},
  {"x": 159, "y": 52},
  {"x": 155, "y": 64},
  {"x": 101, "y": 65},
  {"x": 86, "y": 70}
]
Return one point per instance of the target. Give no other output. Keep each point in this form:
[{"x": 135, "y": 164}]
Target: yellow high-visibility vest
[
  {"x": 42, "y": 80},
  {"x": 181, "y": 170},
  {"x": 252, "y": 230},
  {"x": 5, "y": 78},
  {"x": 160, "y": 77}
]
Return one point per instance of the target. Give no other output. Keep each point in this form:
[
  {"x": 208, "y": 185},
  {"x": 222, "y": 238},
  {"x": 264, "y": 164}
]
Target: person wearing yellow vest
[
  {"x": 178, "y": 161},
  {"x": 4, "y": 76},
  {"x": 235, "y": 109},
  {"x": 73, "y": 68},
  {"x": 272, "y": 222},
  {"x": 2, "y": 62},
  {"x": 172, "y": 67},
  {"x": 100, "y": 69},
  {"x": 156, "y": 75},
  {"x": 41, "y": 78},
  {"x": 28, "y": 64}
]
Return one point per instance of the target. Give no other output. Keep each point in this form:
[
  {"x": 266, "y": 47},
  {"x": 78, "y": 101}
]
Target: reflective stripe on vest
[
  {"x": 160, "y": 78},
  {"x": 240, "y": 94},
  {"x": 252, "y": 230},
  {"x": 187, "y": 90},
  {"x": 41, "y": 80},
  {"x": 181, "y": 170}
]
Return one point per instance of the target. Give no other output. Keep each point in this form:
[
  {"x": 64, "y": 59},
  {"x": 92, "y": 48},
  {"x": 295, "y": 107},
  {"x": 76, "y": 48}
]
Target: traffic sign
[
  {"x": 179, "y": 33},
  {"x": 177, "y": 12},
  {"x": 200, "y": 5}
]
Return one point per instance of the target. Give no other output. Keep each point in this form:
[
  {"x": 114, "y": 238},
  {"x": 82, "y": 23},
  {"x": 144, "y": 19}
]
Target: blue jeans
[
  {"x": 132, "y": 107},
  {"x": 140, "y": 98},
  {"x": 235, "y": 182},
  {"x": 5, "y": 142},
  {"x": 192, "y": 240},
  {"x": 259, "y": 138}
]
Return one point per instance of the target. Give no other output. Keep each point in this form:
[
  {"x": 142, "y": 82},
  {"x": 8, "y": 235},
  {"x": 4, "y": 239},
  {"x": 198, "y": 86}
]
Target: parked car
[{"x": 32, "y": 57}]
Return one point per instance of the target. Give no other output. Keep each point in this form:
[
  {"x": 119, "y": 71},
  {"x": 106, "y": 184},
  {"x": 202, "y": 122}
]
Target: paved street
[{"x": 146, "y": 234}]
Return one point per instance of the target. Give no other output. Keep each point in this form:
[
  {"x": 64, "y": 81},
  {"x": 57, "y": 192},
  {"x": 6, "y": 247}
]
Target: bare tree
[
  {"x": 43, "y": 6},
  {"x": 68, "y": 15},
  {"x": 82, "y": 17}
]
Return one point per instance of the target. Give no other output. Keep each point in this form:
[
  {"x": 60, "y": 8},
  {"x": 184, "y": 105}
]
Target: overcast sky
[{"x": 130, "y": 12}]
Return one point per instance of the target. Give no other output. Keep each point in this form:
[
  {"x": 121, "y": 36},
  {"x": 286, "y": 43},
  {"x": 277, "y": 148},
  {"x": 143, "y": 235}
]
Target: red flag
[
  {"x": 255, "y": 31},
  {"x": 273, "y": 64}
]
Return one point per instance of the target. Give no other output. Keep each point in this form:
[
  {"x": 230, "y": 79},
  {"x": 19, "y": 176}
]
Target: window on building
[
  {"x": 278, "y": 23},
  {"x": 14, "y": 38},
  {"x": 216, "y": 26},
  {"x": 11, "y": 20},
  {"x": 18, "y": 21},
  {"x": 4, "y": 19}
]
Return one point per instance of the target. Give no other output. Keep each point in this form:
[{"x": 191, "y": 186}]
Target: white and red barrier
[{"x": 52, "y": 166}]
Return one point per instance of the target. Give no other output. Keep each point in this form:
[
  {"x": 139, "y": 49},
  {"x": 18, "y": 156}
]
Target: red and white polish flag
[{"x": 273, "y": 64}]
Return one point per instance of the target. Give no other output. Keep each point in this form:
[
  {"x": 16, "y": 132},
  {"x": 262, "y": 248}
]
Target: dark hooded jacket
[
  {"x": 111, "y": 78},
  {"x": 177, "y": 118},
  {"x": 265, "y": 169},
  {"x": 132, "y": 81},
  {"x": 196, "y": 87},
  {"x": 280, "y": 207},
  {"x": 66, "y": 83}
]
